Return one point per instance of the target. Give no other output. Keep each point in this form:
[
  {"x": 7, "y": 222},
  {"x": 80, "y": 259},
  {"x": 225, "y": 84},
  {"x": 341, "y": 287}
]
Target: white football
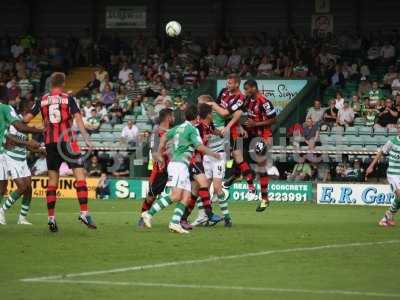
[{"x": 173, "y": 28}]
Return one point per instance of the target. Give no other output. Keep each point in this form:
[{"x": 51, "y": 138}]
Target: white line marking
[
  {"x": 77, "y": 213},
  {"x": 233, "y": 288},
  {"x": 206, "y": 260}
]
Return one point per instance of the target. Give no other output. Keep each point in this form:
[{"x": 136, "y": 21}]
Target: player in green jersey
[
  {"x": 185, "y": 140},
  {"x": 392, "y": 149}
]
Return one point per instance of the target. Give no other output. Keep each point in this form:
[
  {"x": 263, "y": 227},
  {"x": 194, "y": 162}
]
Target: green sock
[
  {"x": 223, "y": 205},
  {"x": 162, "y": 202},
  {"x": 26, "y": 202},
  {"x": 1, "y": 199},
  {"x": 395, "y": 205},
  {"x": 10, "y": 200},
  {"x": 178, "y": 213}
]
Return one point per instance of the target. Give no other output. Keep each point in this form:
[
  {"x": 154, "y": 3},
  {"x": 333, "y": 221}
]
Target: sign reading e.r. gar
[
  {"x": 279, "y": 92},
  {"x": 354, "y": 194}
]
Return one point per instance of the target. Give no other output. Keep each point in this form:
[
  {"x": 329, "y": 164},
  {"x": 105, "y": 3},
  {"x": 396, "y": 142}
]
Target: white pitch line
[
  {"x": 232, "y": 288},
  {"x": 206, "y": 260}
]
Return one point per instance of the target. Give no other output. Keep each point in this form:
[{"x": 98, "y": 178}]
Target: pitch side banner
[
  {"x": 354, "y": 194},
  {"x": 66, "y": 188},
  {"x": 279, "y": 191},
  {"x": 119, "y": 17},
  {"x": 279, "y": 92}
]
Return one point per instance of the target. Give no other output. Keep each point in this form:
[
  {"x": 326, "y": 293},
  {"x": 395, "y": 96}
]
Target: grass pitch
[{"x": 298, "y": 251}]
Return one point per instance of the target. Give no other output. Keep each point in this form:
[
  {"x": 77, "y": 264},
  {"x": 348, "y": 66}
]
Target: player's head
[
  {"x": 166, "y": 117},
  {"x": 25, "y": 106},
  {"x": 204, "y": 99},
  {"x": 233, "y": 82},
  {"x": 191, "y": 113},
  {"x": 205, "y": 112},
  {"x": 250, "y": 87},
  {"x": 57, "y": 80}
]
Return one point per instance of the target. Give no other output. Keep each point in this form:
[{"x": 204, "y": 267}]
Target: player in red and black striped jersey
[
  {"x": 229, "y": 105},
  {"x": 159, "y": 175},
  {"x": 261, "y": 114},
  {"x": 59, "y": 110}
]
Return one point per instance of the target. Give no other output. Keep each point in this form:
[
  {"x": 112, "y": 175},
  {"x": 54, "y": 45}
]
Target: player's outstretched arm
[
  {"x": 208, "y": 151},
  {"x": 79, "y": 121},
  {"x": 32, "y": 145},
  {"x": 235, "y": 118},
  {"x": 22, "y": 127}
]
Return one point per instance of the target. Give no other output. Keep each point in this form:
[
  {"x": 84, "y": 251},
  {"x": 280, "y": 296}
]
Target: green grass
[{"x": 33, "y": 251}]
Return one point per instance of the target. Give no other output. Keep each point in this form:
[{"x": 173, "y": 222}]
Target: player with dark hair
[
  {"x": 59, "y": 110},
  {"x": 159, "y": 175},
  {"x": 229, "y": 105},
  {"x": 260, "y": 114},
  {"x": 185, "y": 140}
]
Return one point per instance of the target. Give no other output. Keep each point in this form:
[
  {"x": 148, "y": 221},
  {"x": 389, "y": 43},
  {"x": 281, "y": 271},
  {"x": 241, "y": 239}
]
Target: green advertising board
[{"x": 278, "y": 191}]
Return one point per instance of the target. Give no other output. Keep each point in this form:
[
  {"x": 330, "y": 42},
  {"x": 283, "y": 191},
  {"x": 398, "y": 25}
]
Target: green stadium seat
[
  {"x": 392, "y": 132},
  {"x": 359, "y": 121},
  {"x": 337, "y": 131},
  {"x": 95, "y": 137},
  {"x": 128, "y": 117},
  {"x": 107, "y": 136},
  {"x": 106, "y": 127},
  {"x": 380, "y": 131},
  {"x": 351, "y": 131},
  {"x": 118, "y": 127},
  {"x": 365, "y": 130}
]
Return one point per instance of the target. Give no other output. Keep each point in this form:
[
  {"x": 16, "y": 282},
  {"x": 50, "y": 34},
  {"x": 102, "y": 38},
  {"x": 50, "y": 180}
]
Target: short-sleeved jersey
[
  {"x": 17, "y": 152},
  {"x": 58, "y": 110},
  {"x": 155, "y": 138},
  {"x": 232, "y": 102},
  {"x": 258, "y": 108},
  {"x": 392, "y": 148},
  {"x": 185, "y": 139},
  {"x": 206, "y": 132},
  {"x": 7, "y": 117}
]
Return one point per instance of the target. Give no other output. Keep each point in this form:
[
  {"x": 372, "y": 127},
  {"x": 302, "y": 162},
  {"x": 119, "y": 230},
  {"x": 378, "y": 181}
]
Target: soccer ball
[{"x": 173, "y": 28}]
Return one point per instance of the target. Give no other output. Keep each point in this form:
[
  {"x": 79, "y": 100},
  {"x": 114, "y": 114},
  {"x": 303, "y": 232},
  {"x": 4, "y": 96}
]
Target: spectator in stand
[
  {"x": 388, "y": 116},
  {"x": 115, "y": 113},
  {"x": 93, "y": 168},
  {"x": 121, "y": 165},
  {"x": 337, "y": 79},
  {"x": 87, "y": 109},
  {"x": 300, "y": 69},
  {"x": 130, "y": 133},
  {"x": 388, "y": 53},
  {"x": 92, "y": 87},
  {"x": 160, "y": 101},
  {"x": 391, "y": 75},
  {"x": 92, "y": 124},
  {"x": 370, "y": 113},
  {"x": 131, "y": 88},
  {"x": 301, "y": 171},
  {"x": 107, "y": 96},
  {"x": 345, "y": 116},
  {"x": 364, "y": 87},
  {"x": 339, "y": 100},
  {"x": 101, "y": 74},
  {"x": 155, "y": 87},
  {"x": 221, "y": 59},
  {"x": 25, "y": 85},
  {"x": 330, "y": 115},
  {"x": 364, "y": 71},
  {"x": 106, "y": 82},
  {"x": 316, "y": 113},
  {"x": 13, "y": 91},
  {"x": 234, "y": 60},
  {"x": 375, "y": 95},
  {"x": 265, "y": 68},
  {"x": 356, "y": 106},
  {"x": 310, "y": 134},
  {"x": 103, "y": 187},
  {"x": 16, "y": 49},
  {"x": 101, "y": 112},
  {"x": 395, "y": 85},
  {"x": 374, "y": 53},
  {"x": 123, "y": 75}
]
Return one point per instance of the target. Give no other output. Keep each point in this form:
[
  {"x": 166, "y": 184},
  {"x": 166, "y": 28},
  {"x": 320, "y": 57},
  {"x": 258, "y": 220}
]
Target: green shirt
[
  {"x": 94, "y": 121},
  {"x": 17, "y": 152},
  {"x": 7, "y": 117},
  {"x": 375, "y": 96},
  {"x": 392, "y": 148},
  {"x": 185, "y": 139}
]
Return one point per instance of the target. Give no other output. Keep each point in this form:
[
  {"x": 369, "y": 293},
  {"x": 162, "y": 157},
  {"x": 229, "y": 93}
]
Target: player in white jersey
[
  {"x": 15, "y": 154},
  {"x": 392, "y": 149}
]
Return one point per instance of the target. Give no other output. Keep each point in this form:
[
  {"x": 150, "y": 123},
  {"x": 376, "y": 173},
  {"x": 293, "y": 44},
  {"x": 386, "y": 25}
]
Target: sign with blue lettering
[
  {"x": 279, "y": 92},
  {"x": 354, "y": 194}
]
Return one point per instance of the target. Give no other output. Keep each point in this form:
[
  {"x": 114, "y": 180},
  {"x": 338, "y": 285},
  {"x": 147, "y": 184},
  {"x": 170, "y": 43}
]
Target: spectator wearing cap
[
  {"x": 388, "y": 116},
  {"x": 345, "y": 115},
  {"x": 130, "y": 133}
]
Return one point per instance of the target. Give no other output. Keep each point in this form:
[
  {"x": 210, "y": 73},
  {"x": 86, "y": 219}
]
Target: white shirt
[
  {"x": 124, "y": 75},
  {"x": 234, "y": 61},
  {"x": 339, "y": 103},
  {"x": 130, "y": 134},
  {"x": 16, "y": 50}
]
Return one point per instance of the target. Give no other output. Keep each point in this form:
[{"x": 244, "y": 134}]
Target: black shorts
[
  {"x": 56, "y": 156},
  {"x": 159, "y": 182},
  {"x": 195, "y": 169}
]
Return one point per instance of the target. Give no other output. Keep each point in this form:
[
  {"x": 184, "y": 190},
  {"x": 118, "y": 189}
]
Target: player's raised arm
[
  {"x": 32, "y": 145},
  {"x": 79, "y": 120}
]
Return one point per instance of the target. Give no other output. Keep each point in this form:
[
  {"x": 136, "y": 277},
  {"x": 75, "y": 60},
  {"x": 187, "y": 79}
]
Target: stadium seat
[
  {"x": 380, "y": 131},
  {"x": 95, "y": 137},
  {"x": 392, "y": 132},
  {"x": 337, "y": 131},
  {"x": 106, "y": 127},
  {"x": 118, "y": 127},
  {"x": 107, "y": 136},
  {"x": 359, "y": 121},
  {"x": 365, "y": 130},
  {"x": 351, "y": 131}
]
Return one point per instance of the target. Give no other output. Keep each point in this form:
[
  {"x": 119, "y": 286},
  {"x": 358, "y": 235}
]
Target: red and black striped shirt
[{"x": 58, "y": 110}]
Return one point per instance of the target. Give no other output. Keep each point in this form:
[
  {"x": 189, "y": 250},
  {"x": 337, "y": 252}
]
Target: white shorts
[
  {"x": 214, "y": 168},
  {"x": 17, "y": 168},
  {"x": 178, "y": 176},
  {"x": 3, "y": 167},
  {"x": 394, "y": 181}
]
